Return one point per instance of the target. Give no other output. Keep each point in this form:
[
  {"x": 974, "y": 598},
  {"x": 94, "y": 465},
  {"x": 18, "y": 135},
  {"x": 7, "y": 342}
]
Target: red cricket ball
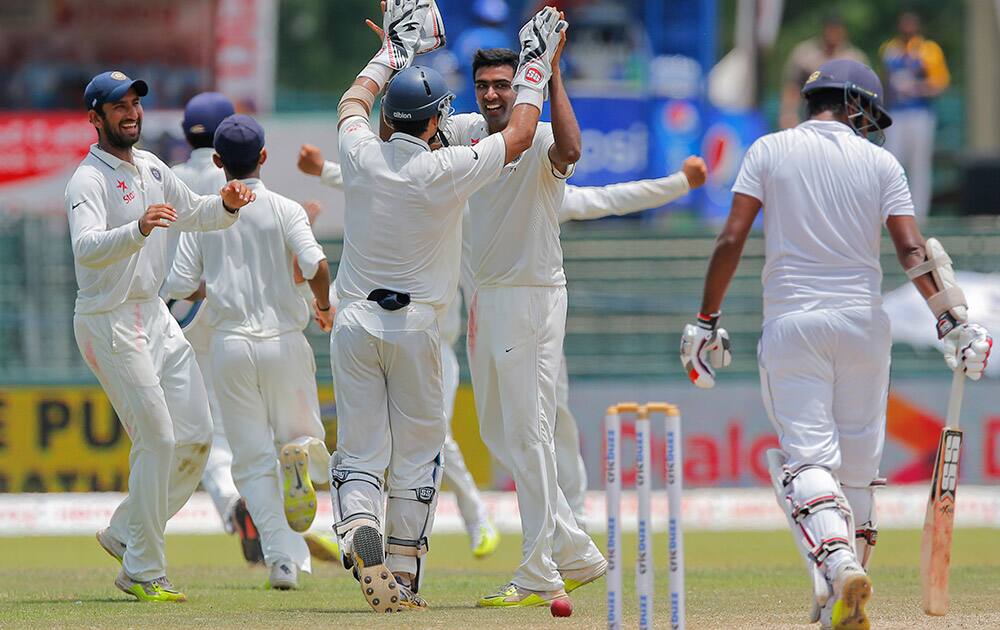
[{"x": 562, "y": 607}]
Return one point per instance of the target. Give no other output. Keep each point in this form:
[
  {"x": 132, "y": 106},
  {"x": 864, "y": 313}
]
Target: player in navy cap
[
  {"x": 202, "y": 116},
  {"x": 262, "y": 366},
  {"x": 121, "y": 203}
]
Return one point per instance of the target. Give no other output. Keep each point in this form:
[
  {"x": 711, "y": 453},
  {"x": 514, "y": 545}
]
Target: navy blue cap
[
  {"x": 204, "y": 112},
  {"x": 239, "y": 140},
  {"x": 109, "y": 87},
  {"x": 851, "y": 76}
]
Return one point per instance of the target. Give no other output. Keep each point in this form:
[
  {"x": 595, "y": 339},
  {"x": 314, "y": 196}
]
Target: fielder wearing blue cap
[
  {"x": 112, "y": 101},
  {"x": 202, "y": 116},
  {"x": 239, "y": 146}
]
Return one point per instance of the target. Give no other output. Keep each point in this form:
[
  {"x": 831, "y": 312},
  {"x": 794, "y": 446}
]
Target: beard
[{"x": 118, "y": 139}]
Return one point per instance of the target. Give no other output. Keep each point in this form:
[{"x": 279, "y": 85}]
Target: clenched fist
[
  {"x": 696, "y": 171},
  {"x": 311, "y": 160}
]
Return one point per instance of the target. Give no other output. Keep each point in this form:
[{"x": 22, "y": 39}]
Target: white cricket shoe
[
  {"x": 284, "y": 576},
  {"x": 114, "y": 547}
]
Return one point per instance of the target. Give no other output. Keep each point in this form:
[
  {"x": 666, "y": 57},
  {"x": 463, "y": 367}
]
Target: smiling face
[
  {"x": 495, "y": 95},
  {"x": 120, "y": 123}
]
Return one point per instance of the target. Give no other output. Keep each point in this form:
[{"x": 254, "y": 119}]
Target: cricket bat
[{"x": 935, "y": 547}]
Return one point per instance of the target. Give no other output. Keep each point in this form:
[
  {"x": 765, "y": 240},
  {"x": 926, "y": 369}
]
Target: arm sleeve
[
  {"x": 584, "y": 203},
  {"x": 187, "y": 270},
  {"x": 331, "y": 175},
  {"x": 300, "y": 240},
  {"x": 94, "y": 245},
  {"x": 753, "y": 172},
  {"x": 896, "y": 198},
  {"x": 195, "y": 213},
  {"x": 471, "y": 168}
]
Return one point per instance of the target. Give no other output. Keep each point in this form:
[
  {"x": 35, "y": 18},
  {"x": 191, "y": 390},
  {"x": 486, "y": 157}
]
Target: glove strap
[
  {"x": 945, "y": 324},
  {"x": 709, "y": 322}
]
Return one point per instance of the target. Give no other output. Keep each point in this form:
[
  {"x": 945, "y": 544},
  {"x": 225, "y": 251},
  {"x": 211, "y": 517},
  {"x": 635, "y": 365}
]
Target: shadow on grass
[
  {"x": 76, "y": 601},
  {"x": 366, "y": 611}
]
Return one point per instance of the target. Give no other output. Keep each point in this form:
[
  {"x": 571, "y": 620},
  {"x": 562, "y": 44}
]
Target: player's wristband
[
  {"x": 709, "y": 322},
  {"x": 945, "y": 324},
  {"x": 530, "y": 96},
  {"x": 228, "y": 209},
  {"x": 328, "y": 307}
]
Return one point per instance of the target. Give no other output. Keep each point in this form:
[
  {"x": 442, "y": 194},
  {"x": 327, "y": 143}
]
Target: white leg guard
[
  {"x": 409, "y": 521},
  {"x": 357, "y": 499},
  {"x": 819, "y": 517},
  {"x": 862, "y": 501}
]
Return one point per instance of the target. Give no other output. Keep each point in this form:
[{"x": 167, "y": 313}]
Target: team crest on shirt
[{"x": 157, "y": 175}]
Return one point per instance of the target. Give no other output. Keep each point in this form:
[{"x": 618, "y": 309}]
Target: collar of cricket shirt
[
  {"x": 407, "y": 138},
  {"x": 253, "y": 183}
]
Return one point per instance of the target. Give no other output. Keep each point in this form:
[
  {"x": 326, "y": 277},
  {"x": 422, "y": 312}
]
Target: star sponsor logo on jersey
[
  {"x": 157, "y": 175},
  {"x": 129, "y": 195}
]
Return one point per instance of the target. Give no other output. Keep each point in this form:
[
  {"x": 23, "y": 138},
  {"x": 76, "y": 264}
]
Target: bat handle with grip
[{"x": 955, "y": 399}]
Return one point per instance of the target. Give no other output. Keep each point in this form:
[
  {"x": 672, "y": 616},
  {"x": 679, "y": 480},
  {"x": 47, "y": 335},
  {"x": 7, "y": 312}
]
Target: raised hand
[
  {"x": 402, "y": 25},
  {"x": 310, "y": 160},
  {"x": 157, "y": 215},
  {"x": 540, "y": 43},
  {"x": 695, "y": 170},
  {"x": 236, "y": 194}
]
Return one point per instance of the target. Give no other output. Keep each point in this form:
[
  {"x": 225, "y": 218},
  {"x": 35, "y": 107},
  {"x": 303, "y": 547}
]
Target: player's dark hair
[
  {"x": 240, "y": 171},
  {"x": 414, "y": 128},
  {"x": 199, "y": 140},
  {"x": 831, "y": 100},
  {"x": 493, "y": 57}
]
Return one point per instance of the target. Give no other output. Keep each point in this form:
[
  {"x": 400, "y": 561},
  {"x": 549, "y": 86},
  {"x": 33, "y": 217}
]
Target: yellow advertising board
[{"x": 68, "y": 439}]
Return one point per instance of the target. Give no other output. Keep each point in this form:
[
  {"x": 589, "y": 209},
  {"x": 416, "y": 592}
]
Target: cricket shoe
[
  {"x": 239, "y": 516},
  {"x": 410, "y": 599},
  {"x": 575, "y": 578},
  {"x": 284, "y": 576},
  {"x": 513, "y": 596},
  {"x": 323, "y": 547},
  {"x": 486, "y": 541},
  {"x": 300, "y": 496},
  {"x": 158, "y": 590},
  {"x": 114, "y": 547},
  {"x": 852, "y": 589},
  {"x": 378, "y": 584}
]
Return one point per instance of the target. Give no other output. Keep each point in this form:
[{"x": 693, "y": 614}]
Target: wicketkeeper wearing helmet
[
  {"x": 399, "y": 269},
  {"x": 825, "y": 346}
]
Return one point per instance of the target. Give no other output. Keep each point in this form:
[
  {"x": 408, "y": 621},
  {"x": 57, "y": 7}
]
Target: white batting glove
[
  {"x": 539, "y": 40},
  {"x": 704, "y": 346},
  {"x": 432, "y": 32},
  {"x": 967, "y": 348},
  {"x": 401, "y": 28}
]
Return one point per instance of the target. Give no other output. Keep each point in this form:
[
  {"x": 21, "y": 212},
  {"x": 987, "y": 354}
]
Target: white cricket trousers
[
  {"x": 149, "y": 372},
  {"x": 824, "y": 377},
  {"x": 911, "y": 140},
  {"x": 515, "y": 345},
  {"x": 456, "y": 473},
  {"x": 390, "y": 415},
  {"x": 217, "y": 480},
  {"x": 266, "y": 387},
  {"x": 572, "y": 470}
]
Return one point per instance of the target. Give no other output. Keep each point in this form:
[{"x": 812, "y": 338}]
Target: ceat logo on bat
[{"x": 533, "y": 75}]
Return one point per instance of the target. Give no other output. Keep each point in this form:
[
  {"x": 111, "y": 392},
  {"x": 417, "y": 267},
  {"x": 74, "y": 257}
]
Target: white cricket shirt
[
  {"x": 402, "y": 211},
  {"x": 826, "y": 193},
  {"x": 105, "y": 198},
  {"x": 203, "y": 177},
  {"x": 514, "y": 221},
  {"x": 248, "y": 268}
]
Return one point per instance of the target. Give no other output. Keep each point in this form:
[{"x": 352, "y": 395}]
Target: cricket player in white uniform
[
  {"x": 202, "y": 116},
  {"x": 399, "y": 269},
  {"x": 824, "y": 350},
  {"x": 115, "y": 200},
  {"x": 517, "y": 319},
  {"x": 262, "y": 364}
]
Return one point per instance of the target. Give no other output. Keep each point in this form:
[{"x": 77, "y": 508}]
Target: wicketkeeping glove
[
  {"x": 539, "y": 40},
  {"x": 967, "y": 348},
  {"x": 401, "y": 32},
  {"x": 703, "y": 347},
  {"x": 432, "y": 31}
]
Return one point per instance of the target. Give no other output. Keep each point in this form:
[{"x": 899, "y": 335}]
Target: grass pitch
[{"x": 734, "y": 580}]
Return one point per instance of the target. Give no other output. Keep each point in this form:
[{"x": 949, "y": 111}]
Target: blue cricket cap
[
  {"x": 111, "y": 86},
  {"x": 239, "y": 140},
  {"x": 204, "y": 112}
]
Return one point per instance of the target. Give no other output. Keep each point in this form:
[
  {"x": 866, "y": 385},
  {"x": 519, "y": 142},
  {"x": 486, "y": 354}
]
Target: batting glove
[
  {"x": 967, "y": 348},
  {"x": 432, "y": 31},
  {"x": 401, "y": 32},
  {"x": 539, "y": 40},
  {"x": 704, "y": 346}
]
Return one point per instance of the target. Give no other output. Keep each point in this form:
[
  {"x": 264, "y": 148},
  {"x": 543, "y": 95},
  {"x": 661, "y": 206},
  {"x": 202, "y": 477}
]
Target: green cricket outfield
[{"x": 734, "y": 580}]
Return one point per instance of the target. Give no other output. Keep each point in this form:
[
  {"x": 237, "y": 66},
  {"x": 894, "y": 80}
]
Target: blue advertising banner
[{"x": 615, "y": 140}]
